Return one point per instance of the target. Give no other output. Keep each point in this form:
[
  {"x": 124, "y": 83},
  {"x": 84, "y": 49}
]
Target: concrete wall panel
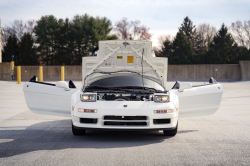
[
  {"x": 204, "y": 71},
  {"x": 245, "y": 70},
  {"x": 218, "y": 71},
  {"x": 51, "y": 72},
  {"x": 73, "y": 72},
  {"x": 5, "y": 68}
]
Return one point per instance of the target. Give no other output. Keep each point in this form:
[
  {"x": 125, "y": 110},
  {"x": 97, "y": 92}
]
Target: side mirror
[
  {"x": 185, "y": 85},
  {"x": 62, "y": 84}
]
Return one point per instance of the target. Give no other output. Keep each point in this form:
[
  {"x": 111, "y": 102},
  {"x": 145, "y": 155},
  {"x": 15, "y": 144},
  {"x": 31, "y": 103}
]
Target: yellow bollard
[
  {"x": 62, "y": 73},
  {"x": 40, "y": 74},
  {"x": 18, "y": 74},
  {"x": 12, "y": 65}
]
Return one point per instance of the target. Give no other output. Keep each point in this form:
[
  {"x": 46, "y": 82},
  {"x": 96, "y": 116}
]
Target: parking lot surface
[{"x": 219, "y": 139}]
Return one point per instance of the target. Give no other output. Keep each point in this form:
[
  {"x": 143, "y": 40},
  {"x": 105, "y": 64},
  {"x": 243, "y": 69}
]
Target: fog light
[
  {"x": 162, "y": 111},
  {"x": 87, "y": 110}
]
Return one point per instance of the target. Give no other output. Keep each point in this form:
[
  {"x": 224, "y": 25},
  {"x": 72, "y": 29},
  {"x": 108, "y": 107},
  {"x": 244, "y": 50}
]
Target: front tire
[
  {"x": 171, "y": 132},
  {"x": 77, "y": 131}
]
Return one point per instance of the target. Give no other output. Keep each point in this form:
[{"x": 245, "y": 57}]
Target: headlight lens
[
  {"x": 161, "y": 98},
  {"x": 88, "y": 98}
]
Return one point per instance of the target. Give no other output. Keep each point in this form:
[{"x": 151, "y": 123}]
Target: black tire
[
  {"x": 171, "y": 132},
  {"x": 77, "y": 131}
]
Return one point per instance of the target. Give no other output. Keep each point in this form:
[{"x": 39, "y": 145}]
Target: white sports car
[{"x": 124, "y": 88}]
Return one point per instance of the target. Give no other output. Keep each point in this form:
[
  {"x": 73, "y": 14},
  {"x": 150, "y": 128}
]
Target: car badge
[
  {"x": 125, "y": 105},
  {"x": 125, "y": 43}
]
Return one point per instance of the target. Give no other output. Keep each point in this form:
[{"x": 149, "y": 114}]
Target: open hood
[{"x": 124, "y": 58}]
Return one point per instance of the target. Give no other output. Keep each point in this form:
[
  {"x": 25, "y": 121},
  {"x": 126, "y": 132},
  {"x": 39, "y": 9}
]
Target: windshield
[{"x": 123, "y": 81}]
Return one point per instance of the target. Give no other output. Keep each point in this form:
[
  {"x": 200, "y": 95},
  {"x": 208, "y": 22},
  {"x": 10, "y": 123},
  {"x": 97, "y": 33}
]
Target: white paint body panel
[
  {"x": 200, "y": 100},
  {"x": 134, "y": 108},
  {"x": 108, "y": 60},
  {"x": 47, "y": 99}
]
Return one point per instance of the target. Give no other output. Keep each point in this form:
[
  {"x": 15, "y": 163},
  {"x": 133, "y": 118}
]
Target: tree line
[
  {"x": 205, "y": 45},
  {"x": 52, "y": 41},
  {"x": 55, "y": 41}
]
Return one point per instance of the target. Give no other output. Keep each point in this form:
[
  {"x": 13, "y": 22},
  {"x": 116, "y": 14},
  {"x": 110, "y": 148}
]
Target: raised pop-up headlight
[
  {"x": 163, "y": 111},
  {"x": 161, "y": 98},
  {"x": 88, "y": 98},
  {"x": 87, "y": 110}
]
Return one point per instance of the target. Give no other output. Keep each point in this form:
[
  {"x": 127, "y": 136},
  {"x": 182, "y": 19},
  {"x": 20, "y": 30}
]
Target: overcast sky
[{"x": 162, "y": 17}]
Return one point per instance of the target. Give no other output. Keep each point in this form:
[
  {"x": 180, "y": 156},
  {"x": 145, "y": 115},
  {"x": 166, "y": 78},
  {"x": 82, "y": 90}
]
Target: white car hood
[{"x": 123, "y": 58}]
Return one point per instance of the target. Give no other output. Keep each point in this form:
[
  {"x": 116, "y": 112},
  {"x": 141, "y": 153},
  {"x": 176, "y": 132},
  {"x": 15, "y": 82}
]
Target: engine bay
[{"x": 124, "y": 97}]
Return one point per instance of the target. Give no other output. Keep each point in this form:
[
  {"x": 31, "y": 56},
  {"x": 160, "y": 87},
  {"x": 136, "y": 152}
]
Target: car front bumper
[{"x": 133, "y": 109}]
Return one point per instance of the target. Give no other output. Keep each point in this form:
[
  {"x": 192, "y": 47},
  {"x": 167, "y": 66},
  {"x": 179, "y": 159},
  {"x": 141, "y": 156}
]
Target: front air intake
[
  {"x": 110, "y": 123},
  {"x": 161, "y": 121},
  {"x": 88, "y": 120}
]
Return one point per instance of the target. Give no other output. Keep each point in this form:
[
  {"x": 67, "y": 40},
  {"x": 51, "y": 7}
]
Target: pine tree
[
  {"x": 166, "y": 49},
  {"x": 46, "y": 30},
  {"x": 182, "y": 52},
  {"x": 223, "y": 49},
  {"x": 192, "y": 35},
  {"x": 187, "y": 27},
  {"x": 11, "y": 48},
  {"x": 244, "y": 54},
  {"x": 28, "y": 55}
]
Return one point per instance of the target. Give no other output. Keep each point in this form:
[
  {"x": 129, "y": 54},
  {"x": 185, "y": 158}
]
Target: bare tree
[
  {"x": 123, "y": 27},
  {"x": 29, "y": 26},
  {"x": 18, "y": 28},
  {"x": 207, "y": 33},
  {"x": 136, "y": 28},
  {"x": 162, "y": 39},
  {"x": 241, "y": 33},
  {"x": 132, "y": 30},
  {"x": 247, "y": 31}
]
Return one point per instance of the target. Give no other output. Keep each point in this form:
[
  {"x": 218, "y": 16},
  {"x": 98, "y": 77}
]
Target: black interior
[
  {"x": 71, "y": 84},
  {"x": 211, "y": 81},
  {"x": 176, "y": 85},
  {"x": 35, "y": 80}
]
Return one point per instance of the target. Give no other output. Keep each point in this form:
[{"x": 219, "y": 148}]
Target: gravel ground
[{"x": 219, "y": 139}]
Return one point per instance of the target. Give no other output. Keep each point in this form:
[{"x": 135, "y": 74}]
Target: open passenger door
[
  {"x": 49, "y": 99},
  {"x": 198, "y": 100}
]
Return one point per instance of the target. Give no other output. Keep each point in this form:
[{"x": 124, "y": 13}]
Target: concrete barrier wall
[
  {"x": 245, "y": 70},
  {"x": 218, "y": 71},
  {"x": 5, "y": 68},
  {"x": 51, "y": 72}
]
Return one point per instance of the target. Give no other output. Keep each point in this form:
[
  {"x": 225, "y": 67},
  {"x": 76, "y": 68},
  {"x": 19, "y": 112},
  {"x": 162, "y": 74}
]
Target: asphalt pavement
[{"x": 32, "y": 139}]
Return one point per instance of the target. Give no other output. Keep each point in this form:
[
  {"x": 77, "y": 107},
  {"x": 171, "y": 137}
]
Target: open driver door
[
  {"x": 198, "y": 100},
  {"x": 49, "y": 99}
]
